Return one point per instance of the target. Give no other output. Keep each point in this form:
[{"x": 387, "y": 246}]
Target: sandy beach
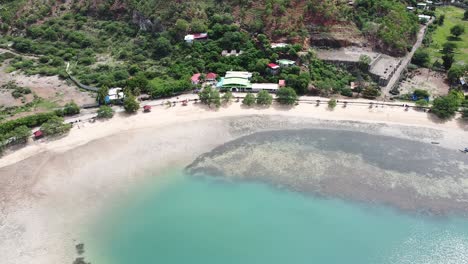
[{"x": 51, "y": 189}]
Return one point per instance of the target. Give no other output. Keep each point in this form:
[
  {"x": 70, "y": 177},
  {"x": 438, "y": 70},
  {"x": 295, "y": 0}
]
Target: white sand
[
  {"x": 163, "y": 116},
  {"x": 48, "y": 199}
]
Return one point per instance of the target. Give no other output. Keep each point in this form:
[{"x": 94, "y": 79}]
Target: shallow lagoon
[{"x": 211, "y": 220}]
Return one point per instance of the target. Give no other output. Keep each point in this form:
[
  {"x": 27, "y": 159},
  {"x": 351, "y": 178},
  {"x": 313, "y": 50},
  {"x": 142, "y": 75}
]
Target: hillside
[{"x": 383, "y": 24}]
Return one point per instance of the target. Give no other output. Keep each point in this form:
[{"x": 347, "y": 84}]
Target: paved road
[{"x": 406, "y": 60}]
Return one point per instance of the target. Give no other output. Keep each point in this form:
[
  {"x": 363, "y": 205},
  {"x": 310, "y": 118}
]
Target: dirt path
[{"x": 406, "y": 60}]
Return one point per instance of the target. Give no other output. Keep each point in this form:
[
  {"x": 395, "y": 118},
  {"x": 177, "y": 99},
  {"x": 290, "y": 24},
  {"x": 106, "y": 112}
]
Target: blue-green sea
[{"x": 185, "y": 219}]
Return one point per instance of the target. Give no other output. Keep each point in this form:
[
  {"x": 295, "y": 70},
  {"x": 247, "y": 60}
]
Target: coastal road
[{"x": 406, "y": 60}]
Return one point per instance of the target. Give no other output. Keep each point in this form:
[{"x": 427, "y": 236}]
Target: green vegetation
[
  {"x": 287, "y": 96},
  {"x": 441, "y": 34},
  {"x": 28, "y": 121},
  {"x": 249, "y": 100},
  {"x": 370, "y": 92},
  {"x": 17, "y": 91},
  {"x": 446, "y": 106},
  {"x": 210, "y": 97},
  {"x": 71, "y": 109},
  {"x": 332, "y": 104},
  {"x": 227, "y": 97},
  {"x": 457, "y": 30},
  {"x": 130, "y": 104},
  {"x": 55, "y": 127},
  {"x": 389, "y": 21},
  {"x": 421, "y": 103},
  {"x": 264, "y": 98},
  {"x": 105, "y": 112},
  {"x": 421, "y": 58},
  {"x": 455, "y": 72}
]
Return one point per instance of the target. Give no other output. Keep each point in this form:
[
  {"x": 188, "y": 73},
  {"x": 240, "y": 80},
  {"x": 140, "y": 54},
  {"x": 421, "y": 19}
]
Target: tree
[
  {"x": 55, "y": 126},
  {"x": 105, "y": 112},
  {"x": 249, "y": 100},
  {"x": 441, "y": 20},
  {"x": 332, "y": 104},
  {"x": 162, "y": 47},
  {"x": 455, "y": 72},
  {"x": 465, "y": 15},
  {"x": 447, "y": 60},
  {"x": 370, "y": 92},
  {"x": 421, "y": 58},
  {"x": 446, "y": 106},
  {"x": 421, "y": 94},
  {"x": 20, "y": 134},
  {"x": 227, "y": 97},
  {"x": 364, "y": 62},
  {"x": 287, "y": 96},
  {"x": 71, "y": 108},
  {"x": 457, "y": 30},
  {"x": 210, "y": 96},
  {"x": 448, "y": 47},
  {"x": 215, "y": 98},
  {"x": 130, "y": 104},
  {"x": 102, "y": 94},
  {"x": 264, "y": 98}
]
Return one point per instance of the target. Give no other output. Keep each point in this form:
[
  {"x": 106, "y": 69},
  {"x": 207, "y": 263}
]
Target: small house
[
  {"x": 424, "y": 18},
  {"x": 282, "y": 83},
  {"x": 273, "y": 68},
  {"x": 283, "y": 63},
  {"x": 211, "y": 77},
  {"x": 422, "y": 6},
  {"x": 279, "y": 45},
  {"x": 38, "y": 134},
  {"x": 190, "y": 38},
  {"x": 269, "y": 87},
  {"x": 114, "y": 94},
  {"x": 410, "y": 8},
  {"x": 195, "y": 79}
]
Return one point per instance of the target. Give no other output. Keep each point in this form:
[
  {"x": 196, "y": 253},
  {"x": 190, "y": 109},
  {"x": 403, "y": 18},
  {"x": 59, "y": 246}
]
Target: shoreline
[
  {"x": 48, "y": 200},
  {"x": 162, "y": 116}
]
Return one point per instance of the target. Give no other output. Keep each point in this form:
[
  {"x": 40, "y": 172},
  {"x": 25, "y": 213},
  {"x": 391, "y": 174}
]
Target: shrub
[
  {"x": 421, "y": 103},
  {"x": 130, "y": 104},
  {"x": 264, "y": 98},
  {"x": 332, "y": 104},
  {"x": 347, "y": 92},
  {"x": 55, "y": 126},
  {"x": 105, "y": 112},
  {"x": 421, "y": 58},
  {"x": 249, "y": 100},
  {"x": 71, "y": 109},
  {"x": 421, "y": 94},
  {"x": 28, "y": 121},
  {"x": 287, "y": 96},
  {"x": 370, "y": 92}
]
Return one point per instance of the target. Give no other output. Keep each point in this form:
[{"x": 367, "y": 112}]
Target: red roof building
[
  {"x": 200, "y": 36},
  {"x": 273, "y": 66},
  {"x": 195, "y": 78},
  {"x": 211, "y": 76},
  {"x": 282, "y": 83}
]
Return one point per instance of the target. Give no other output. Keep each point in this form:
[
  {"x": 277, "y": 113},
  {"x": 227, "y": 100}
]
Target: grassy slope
[{"x": 453, "y": 16}]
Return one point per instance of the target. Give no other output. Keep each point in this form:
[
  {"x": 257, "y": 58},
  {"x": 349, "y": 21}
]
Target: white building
[
  {"x": 269, "y": 87},
  {"x": 116, "y": 94}
]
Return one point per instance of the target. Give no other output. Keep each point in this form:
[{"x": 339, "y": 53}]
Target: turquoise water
[{"x": 207, "y": 220}]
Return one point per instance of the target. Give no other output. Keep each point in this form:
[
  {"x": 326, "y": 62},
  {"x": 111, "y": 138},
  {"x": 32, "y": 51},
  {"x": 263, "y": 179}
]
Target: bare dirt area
[
  {"x": 425, "y": 79},
  {"x": 50, "y": 88}
]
